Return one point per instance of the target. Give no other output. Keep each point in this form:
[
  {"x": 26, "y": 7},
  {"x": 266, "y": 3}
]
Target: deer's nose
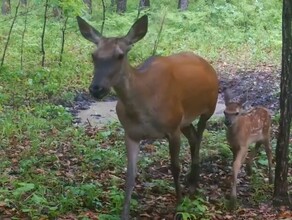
[
  {"x": 227, "y": 122},
  {"x": 97, "y": 91}
]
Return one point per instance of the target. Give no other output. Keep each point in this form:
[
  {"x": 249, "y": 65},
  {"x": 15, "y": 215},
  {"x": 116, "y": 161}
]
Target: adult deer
[
  {"x": 160, "y": 99},
  {"x": 245, "y": 127}
]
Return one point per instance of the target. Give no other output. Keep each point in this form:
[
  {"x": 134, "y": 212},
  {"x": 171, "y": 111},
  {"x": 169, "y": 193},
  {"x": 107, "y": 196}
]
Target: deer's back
[
  {"x": 170, "y": 92},
  {"x": 250, "y": 127}
]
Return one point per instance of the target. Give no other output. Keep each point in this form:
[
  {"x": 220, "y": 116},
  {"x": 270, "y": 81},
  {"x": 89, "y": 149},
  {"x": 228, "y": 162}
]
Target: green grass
[{"x": 51, "y": 168}]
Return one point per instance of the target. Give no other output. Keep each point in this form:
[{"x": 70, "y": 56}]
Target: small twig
[
  {"x": 103, "y": 16},
  {"x": 29, "y": 12},
  {"x": 9, "y": 34},
  {"x": 63, "y": 41},
  {"x": 158, "y": 35},
  {"x": 43, "y": 34},
  {"x": 89, "y": 122},
  {"x": 22, "y": 38},
  {"x": 139, "y": 9}
]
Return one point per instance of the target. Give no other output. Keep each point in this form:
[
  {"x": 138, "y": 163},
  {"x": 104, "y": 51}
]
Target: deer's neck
[{"x": 126, "y": 88}]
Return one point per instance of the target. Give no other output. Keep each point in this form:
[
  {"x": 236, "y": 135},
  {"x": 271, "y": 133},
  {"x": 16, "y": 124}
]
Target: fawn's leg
[
  {"x": 239, "y": 159},
  {"x": 251, "y": 156},
  {"x": 269, "y": 154}
]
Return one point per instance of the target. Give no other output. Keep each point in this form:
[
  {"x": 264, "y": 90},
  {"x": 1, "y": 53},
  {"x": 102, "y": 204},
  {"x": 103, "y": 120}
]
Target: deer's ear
[
  {"x": 227, "y": 96},
  {"x": 137, "y": 31},
  {"x": 88, "y": 32}
]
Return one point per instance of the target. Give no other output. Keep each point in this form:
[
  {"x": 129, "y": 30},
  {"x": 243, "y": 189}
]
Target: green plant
[{"x": 192, "y": 209}]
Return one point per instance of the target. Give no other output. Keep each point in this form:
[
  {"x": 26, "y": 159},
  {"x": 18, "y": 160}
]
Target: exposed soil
[{"x": 260, "y": 87}]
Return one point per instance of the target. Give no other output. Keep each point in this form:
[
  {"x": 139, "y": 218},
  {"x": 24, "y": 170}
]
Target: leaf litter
[{"x": 154, "y": 189}]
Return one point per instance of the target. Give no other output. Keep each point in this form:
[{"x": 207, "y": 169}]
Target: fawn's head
[
  {"x": 110, "y": 56},
  {"x": 233, "y": 109}
]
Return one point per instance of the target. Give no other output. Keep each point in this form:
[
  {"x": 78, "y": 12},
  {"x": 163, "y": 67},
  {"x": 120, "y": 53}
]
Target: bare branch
[
  {"x": 63, "y": 40},
  {"x": 43, "y": 34},
  {"x": 103, "y": 16},
  {"x": 9, "y": 34},
  {"x": 22, "y": 37},
  {"x": 158, "y": 35}
]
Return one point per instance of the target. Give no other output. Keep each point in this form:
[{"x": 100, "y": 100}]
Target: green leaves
[
  {"x": 192, "y": 209},
  {"x": 23, "y": 188}
]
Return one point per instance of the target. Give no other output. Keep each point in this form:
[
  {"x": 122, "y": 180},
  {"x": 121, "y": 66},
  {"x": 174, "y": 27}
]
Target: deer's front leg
[
  {"x": 132, "y": 148},
  {"x": 251, "y": 156},
  {"x": 239, "y": 159},
  {"x": 174, "y": 148}
]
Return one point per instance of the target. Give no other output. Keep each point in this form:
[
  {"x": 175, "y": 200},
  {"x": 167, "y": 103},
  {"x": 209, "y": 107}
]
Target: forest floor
[
  {"x": 261, "y": 87},
  {"x": 154, "y": 190}
]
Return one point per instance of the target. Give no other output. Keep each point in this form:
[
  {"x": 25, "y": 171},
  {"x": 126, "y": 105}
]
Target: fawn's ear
[
  {"x": 227, "y": 96},
  {"x": 88, "y": 32},
  {"x": 137, "y": 31}
]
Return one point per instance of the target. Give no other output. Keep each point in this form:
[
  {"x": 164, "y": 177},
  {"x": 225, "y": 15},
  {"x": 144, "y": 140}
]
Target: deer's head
[
  {"x": 233, "y": 108},
  {"x": 110, "y": 56}
]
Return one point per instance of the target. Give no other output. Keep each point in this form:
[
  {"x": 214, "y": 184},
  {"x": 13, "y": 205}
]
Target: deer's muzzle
[{"x": 98, "y": 92}]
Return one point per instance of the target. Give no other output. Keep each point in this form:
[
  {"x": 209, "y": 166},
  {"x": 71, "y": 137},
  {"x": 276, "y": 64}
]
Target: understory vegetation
[{"x": 53, "y": 168}]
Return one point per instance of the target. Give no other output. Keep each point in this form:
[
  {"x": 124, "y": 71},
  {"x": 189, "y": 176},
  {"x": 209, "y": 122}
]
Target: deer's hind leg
[
  {"x": 269, "y": 154},
  {"x": 194, "y": 137},
  {"x": 251, "y": 156}
]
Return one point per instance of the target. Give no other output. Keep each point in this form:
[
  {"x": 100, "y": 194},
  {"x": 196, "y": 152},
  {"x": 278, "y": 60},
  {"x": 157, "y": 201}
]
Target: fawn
[{"x": 245, "y": 127}]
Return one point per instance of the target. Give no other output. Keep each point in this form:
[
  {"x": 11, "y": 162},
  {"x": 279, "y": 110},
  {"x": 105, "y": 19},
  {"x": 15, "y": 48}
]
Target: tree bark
[
  {"x": 121, "y": 6},
  {"x": 89, "y": 5},
  {"x": 43, "y": 34},
  {"x": 6, "y": 7},
  {"x": 144, "y": 4},
  {"x": 281, "y": 196},
  {"x": 183, "y": 5}
]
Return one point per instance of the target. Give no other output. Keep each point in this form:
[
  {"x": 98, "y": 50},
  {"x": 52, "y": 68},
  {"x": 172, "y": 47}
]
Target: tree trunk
[
  {"x": 6, "y": 7},
  {"x": 121, "y": 6},
  {"x": 23, "y": 2},
  {"x": 144, "y": 4},
  {"x": 89, "y": 5},
  {"x": 281, "y": 196},
  {"x": 183, "y": 5}
]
